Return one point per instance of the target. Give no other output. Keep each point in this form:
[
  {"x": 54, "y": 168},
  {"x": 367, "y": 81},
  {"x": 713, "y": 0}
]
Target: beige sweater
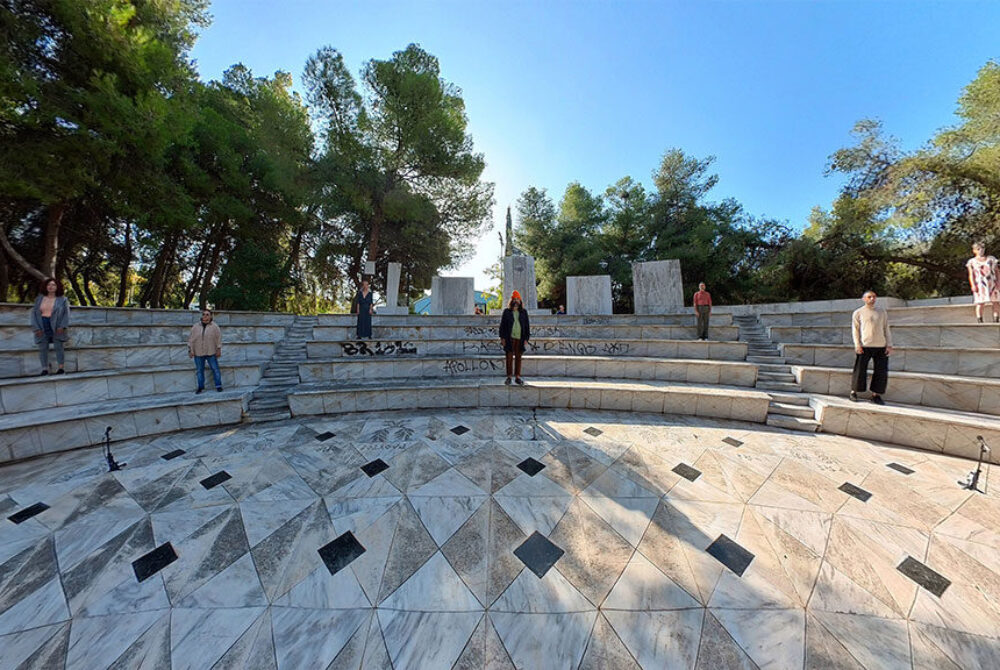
[
  {"x": 205, "y": 341},
  {"x": 870, "y": 327}
]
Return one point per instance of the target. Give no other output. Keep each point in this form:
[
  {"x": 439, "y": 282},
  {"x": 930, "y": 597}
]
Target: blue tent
[{"x": 423, "y": 305}]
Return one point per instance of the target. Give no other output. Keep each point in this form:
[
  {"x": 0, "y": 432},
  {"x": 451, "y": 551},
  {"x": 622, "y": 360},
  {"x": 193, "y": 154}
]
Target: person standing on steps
[
  {"x": 872, "y": 341},
  {"x": 514, "y": 334},
  {"x": 366, "y": 307},
  {"x": 984, "y": 280},
  {"x": 49, "y": 319},
  {"x": 702, "y": 310},
  {"x": 205, "y": 346}
]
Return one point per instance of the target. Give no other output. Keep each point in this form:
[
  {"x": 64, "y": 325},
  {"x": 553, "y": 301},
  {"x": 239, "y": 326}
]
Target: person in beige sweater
[
  {"x": 205, "y": 346},
  {"x": 872, "y": 342}
]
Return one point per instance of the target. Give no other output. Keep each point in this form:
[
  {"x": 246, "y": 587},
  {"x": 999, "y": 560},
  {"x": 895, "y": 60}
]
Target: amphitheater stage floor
[{"x": 546, "y": 539}]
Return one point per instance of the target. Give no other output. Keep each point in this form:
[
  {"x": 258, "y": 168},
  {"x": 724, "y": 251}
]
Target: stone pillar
[
  {"x": 452, "y": 295},
  {"x": 369, "y": 268},
  {"x": 519, "y": 275},
  {"x": 588, "y": 295},
  {"x": 657, "y": 287},
  {"x": 392, "y": 305}
]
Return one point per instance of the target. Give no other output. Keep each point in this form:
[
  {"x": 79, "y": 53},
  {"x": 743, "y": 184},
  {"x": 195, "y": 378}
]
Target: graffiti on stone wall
[
  {"x": 362, "y": 348},
  {"x": 462, "y": 366}
]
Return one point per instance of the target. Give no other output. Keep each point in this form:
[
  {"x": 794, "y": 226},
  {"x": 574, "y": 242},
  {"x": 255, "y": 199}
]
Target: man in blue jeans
[{"x": 205, "y": 346}]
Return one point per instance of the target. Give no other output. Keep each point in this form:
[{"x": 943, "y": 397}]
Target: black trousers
[
  {"x": 880, "y": 376},
  {"x": 513, "y": 357},
  {"x": 703, "y": 312}
]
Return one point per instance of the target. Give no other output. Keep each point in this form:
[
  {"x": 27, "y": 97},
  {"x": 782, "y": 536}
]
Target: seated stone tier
[
  {"x": 492, "y": 321},
  {"x": 966, "y": 394},
  {"x": 20, "y": 337},
  {"x": 24, "y": 362},
  {"x": 962, "y": 362},
  {"x": 16, "y": 314},
  {"x": 373, "y": 349},
  {"x": 732, "y": 373},
  {"x": 964, "y": 336},
  {"x": 916, "y": 316},
  {"x": 482, "y": 332},
  {"x": 942, "y": 431},
  {"x": 48, "y": 431},
  {"x": 650, "y": 396},
  {"x": 29, "y": 394}
]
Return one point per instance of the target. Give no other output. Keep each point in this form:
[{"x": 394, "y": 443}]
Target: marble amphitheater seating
[
  {"x": 127, "y": 369},
  {"x": 944, "y": 383},
  {"x": 624, "y": 362}
]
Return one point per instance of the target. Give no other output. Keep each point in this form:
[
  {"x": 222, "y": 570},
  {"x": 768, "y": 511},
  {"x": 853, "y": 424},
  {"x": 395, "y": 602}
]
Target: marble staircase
[{"x": 269, "y": 401}]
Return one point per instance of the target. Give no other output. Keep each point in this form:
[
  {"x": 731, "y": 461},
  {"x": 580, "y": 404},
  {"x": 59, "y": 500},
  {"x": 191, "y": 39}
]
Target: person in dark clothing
[
  {"x": 514, "y": 334},
  {"x": 49, "y": 319},
  {"x": 366, "y": 308}
]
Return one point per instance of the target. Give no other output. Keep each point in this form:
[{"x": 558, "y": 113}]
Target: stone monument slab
[
  {"x": 588, "y": 295},
  {"x": 452, "y": 295},
  {"x": 519, "y": 275},
  {"x": 657, "y": 287},
  {"x": 392, "y": 305}
]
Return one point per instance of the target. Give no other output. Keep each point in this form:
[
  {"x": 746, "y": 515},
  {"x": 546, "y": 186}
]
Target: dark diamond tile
[
  {"x": 323, "y": 437},
  {"x": 375, "y": 467},
  {"x": 530, "y": 466},
  {"x": 338, "y": 554},
  {"x": 173, "y": 454},
  {"x": 730, "y": 554},
  {"x": 28, "y": 512},
  {"x": 216, "y": 479},
  {"x": 148, "y": 565},
  {"x": 930, "y": 579},
  {"x": 687, "y": 472},
  {"x": 732, "y": 442},
  {"x": 460, "y": 430},
  {"x": 855, "y": 491},
  {"x": 593, "y": 432},
  {"x": 538, "y": 553},
  {"x": 900, "y": 468}
]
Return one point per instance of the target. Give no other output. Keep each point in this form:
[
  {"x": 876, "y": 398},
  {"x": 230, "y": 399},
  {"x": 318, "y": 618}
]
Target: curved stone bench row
[
  {"x": 682, "y": 318},
  {"x": 596, "y": 367},
  {"x": 614, "y": 332},
  {"x": 966, "y": 394},
  {"x": 658, "y": 397},
  {"x": 961, "y": 362},
  {"x": 962, "y": 336},
  {"x": 916, "y": 316},
  {"x": 25, "y": 395},
  {"x": 16, "y": 314},
  {"x": 24, "y": 362},
  {"x": 49, "y": 431},
  {"x": 20, "y": 337},
  {"x": 943, "y": 431},
  {"x": 543, "y": 346}
]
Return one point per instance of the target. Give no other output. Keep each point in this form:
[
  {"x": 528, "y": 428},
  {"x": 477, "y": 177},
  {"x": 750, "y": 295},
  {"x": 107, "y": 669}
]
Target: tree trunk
[
  {"x": 53, "y": 224},
  {"x": 199, "y": 269},
  {"x": 86, "y": 287},
  {"x": 153, "y": 295},
  {"x": 293, "y": 258},
  {"x": 18, "y": 258},
  {"x": 74, "y": 282},
  {"x": 4, "y": 276},
  {"x": 213, "y": 267},
  {"x": 377, "y": 219},
  {"x": 126, "y": 265}
]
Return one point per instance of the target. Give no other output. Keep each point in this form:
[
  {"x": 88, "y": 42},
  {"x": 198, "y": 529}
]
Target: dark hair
[
  {"x": 510, "y": 305},
  {"x": 43, "y": 287}
]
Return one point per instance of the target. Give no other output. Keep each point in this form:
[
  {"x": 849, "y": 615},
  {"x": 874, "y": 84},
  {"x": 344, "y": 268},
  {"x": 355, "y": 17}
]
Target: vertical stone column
[
  {"x": 657, "y": 287},
  {"x": 452, "y": 295},
  {"x": 392, "y": 305},
  {"x": 519, "y": 275},
  {"x": 588, "y": 295}
]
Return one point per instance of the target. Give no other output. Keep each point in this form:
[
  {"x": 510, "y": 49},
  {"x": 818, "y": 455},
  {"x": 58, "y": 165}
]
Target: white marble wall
[
  {"x": 969, "y": 336},
  {"x": 588, "y": 295},
  {"x": 657, "y": 287},
  {"x": 452, "y": 295},
  {"x": 962, "y": 362},
  {"x": 541, "y": 330}
]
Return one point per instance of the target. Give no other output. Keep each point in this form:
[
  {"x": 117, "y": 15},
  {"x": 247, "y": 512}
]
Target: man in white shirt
[{"x": 872, "y": 342}]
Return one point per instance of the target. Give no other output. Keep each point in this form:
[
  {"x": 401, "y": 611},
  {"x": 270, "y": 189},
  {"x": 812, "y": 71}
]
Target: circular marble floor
[{"x": 502, "y": 539}]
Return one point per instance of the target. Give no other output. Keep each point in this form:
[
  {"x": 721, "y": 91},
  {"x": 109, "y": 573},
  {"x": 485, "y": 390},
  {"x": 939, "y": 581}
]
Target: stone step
[
  {"x": 776, "y": 377},
  {"x": 793, "y": 423},
  {"x": 804, "y": 412},
  {"x": 261, "y": 417},
  {"x": 775, "y": 367},
  {"x": 268, "y": 405},
  {"x": 765, "y": 359},
  {"x": 777, "y": 386},
  {"x": 800, "y": 399}
]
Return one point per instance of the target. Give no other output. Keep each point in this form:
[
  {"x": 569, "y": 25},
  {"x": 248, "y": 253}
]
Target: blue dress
[{"x": 364, "y": 314}]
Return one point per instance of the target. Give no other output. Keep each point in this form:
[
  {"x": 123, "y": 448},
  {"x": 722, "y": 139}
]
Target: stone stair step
[
  {"x": 269, "y": 416},
  {"x": 780, "y": 408},
  {"x": 776, "y": 377},
  {"x": 775, "y": 367},
  {"x": 765, "y": 359},
  {"x": 792, "y": 423},
  {"x": 778, "y": 386},
  {"x": 800, "y": 399}
]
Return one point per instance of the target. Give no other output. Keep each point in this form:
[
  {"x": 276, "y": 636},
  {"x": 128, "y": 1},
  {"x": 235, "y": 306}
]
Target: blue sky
[{"x": 592, "y": 91}]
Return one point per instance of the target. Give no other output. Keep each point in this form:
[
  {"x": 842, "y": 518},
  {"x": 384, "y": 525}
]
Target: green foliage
[{"x": 250, "y": 277}]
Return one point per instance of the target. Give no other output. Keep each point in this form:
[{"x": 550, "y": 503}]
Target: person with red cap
[{"x": 514, "y": 333}]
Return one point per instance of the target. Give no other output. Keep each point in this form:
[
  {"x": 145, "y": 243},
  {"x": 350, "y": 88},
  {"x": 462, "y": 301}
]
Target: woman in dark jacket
[
  {"x": 49, "y": 320},
  {"x": 514, "y": 333},
  {"x": 365, "y": 302}
]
